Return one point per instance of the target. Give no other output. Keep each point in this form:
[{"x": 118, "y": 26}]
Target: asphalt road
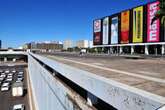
[
  {"x": 143, "y": 73},
  {"x": 6, "y": 99}
]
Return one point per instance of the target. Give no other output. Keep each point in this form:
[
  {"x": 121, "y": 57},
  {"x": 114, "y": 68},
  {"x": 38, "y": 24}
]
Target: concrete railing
[
  {"x": 118, "y": 95},
  {"x": 49, "y": 93}
]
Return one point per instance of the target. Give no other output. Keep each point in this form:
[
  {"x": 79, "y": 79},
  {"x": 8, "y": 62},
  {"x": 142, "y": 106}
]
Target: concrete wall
[
  {"x": 121, "y": 96},
  {"x": 49, "y": 93}
]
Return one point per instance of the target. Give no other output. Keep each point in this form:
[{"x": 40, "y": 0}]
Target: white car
[
  {"x": 5, "y": 87},
  {"x": 14, "y": 71},
  {"x": 18, "y": 81},
  {"x": 3, "y": 75},
  {"x": 21, "y": 72},
  {"x": 9, "y": 76},
  {"x": 1, "y": 78},
  {"x": 19, "y": 107},
  {"x": 9, "y": 79},
  {"x": 7, "y": 71}
]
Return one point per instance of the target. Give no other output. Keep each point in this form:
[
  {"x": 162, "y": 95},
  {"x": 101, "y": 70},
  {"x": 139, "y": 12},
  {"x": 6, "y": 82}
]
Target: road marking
[
  {"x": 118, "y": 71},
  {"x": 98, "y": 64},
  {"x": 148, "y": 73}
]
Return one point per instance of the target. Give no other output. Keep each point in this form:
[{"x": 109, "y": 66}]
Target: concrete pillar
[
  {"x": 156, "y": 51},
  {"x": 5, "y": 59},
  {"x": 121, "y": 50},
  {"x": 163, "y": 49},
  {"x": 132, "y": 49},
  {"x": 111, "y": 51},
  {"x": 91, "y": 99},
  {"x": 146, "y": 50}
]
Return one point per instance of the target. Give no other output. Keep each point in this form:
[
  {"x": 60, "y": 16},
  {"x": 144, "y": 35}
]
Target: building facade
[
  {"x": 44, "y": 46},
  {"x": 131, "y": 31},
  {"x": 67, "y": 44},
  {"x": 82, "y": 44}
]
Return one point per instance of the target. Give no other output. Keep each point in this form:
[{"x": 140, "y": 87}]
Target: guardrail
[{"x": 119, "y": 95}]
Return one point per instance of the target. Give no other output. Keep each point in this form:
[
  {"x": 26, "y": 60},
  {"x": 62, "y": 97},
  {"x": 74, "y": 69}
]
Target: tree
[{"x": 160, "y": 13}]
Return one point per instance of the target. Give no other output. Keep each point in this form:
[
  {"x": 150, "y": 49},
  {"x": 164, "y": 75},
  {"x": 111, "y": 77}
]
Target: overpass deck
[{"x": 144, "y": 74}]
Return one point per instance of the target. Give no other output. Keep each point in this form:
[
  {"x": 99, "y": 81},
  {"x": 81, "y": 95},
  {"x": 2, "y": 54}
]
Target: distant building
[
  {"x": 82, "y": 44},
  {"x": 44, "y": 46},
  {"x": 67, "y": 44},
  {"x": 90, "y": 44}
]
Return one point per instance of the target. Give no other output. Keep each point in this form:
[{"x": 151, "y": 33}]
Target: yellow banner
[{"x": 138, "y": 25}]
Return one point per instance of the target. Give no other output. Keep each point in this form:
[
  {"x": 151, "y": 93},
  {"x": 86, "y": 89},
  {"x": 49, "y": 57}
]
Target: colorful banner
[
  {"x": 114, "y": 30},
  {"x": 105, "y": 30},
  {"x": 138, "y": 24},
  {"x": 97, "y": 32},
  {"x": 153, "y": 31},
  {"x": 125, "y": 24},
  {"x": 97, "y": 26},
  {"x": 97, "y": 38}
]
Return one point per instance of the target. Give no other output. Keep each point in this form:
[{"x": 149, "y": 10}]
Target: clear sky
[{"x": 23, "y": 21}]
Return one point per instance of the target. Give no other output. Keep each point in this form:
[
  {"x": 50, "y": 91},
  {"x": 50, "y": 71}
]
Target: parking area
[{"x": 9, "y": 77}]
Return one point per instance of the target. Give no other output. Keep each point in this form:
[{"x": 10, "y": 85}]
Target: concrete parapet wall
[
  {"x": 121, "y": 96},
  {"x": 49, "y": 93}
]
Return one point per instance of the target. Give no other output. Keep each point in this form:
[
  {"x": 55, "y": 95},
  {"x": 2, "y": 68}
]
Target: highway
[
  {"x": 7, "y": 101},
  {"x": 143, "y": 73}
]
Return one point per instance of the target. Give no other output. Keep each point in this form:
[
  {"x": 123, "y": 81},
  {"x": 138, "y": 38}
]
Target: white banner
[{"x": 105, "y": 30}]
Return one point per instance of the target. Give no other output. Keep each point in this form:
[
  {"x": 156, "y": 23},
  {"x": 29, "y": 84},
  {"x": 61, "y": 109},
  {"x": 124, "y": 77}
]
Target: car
[
  {"x": 5, "y": 87},
  {"x": 2, "y": 75},
  {"x": 9, "y": 76},
  {"x": 5, "y": 84},
  {"x": 7, "y": 71},
  {"x": 20, "y": 74},
  {"x": 20, "y": 79},
  {"x": 19, "y": 107},
  {"x": 1, "y": 78},
  {"x": 14, "y": 71},
  {"x": 9, "y": 79}
]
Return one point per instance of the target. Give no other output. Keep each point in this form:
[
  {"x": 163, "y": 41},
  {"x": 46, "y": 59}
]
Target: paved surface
[
  {"x": 6, "y": 99},
  {"x": 145, "y": 74}
]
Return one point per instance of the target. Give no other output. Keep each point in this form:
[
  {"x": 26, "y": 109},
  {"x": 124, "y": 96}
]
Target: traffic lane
[
  {"x": 8, "y": 100},
  {"x": 148, "y": 67},
  {"x": 141, "y": 83}
]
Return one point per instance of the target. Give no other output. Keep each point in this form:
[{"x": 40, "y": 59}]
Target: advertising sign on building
[
  {"x": 153, "y": 31},
  {"x": 105, "y": 30},
  {"x": 125, "y": 24},
  {"x": 114, "y": 30},
  {"x": 97, "y": 32},
  {"x": 97, "y": 26},
  {"x": 138, "y": 24}
]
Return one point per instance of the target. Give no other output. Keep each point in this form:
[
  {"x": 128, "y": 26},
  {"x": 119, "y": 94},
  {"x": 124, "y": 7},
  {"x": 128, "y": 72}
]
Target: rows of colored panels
[{"x": 131, "y": 26}]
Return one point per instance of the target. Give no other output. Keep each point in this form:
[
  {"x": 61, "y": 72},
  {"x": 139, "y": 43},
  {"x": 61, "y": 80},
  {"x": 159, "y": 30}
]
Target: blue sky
[{"x": 23, "y": 21}]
